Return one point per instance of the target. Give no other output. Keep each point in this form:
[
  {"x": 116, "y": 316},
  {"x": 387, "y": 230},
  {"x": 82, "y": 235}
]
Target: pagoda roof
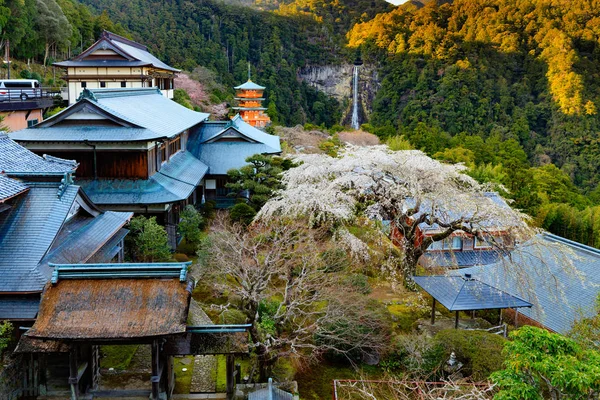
[
  {"x": 249, "y": 86},
  {"x": 134, "y": 54},
  {"x": 249, "y": 108}
]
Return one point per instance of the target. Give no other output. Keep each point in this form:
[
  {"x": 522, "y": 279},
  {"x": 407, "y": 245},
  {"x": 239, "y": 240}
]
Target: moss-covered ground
[{"x": 117, "y": 357}]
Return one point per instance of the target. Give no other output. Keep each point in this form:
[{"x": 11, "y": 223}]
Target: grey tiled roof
[
  {"x": 26, "y": 232},
  {"x": 559, "y": 294},
  {"x": 101, "y": 63},
  {"x": 457, "y": 293},
  {"x": 19, "y": 307},
  {"x": 245, "y": 129},
  {"x": 16, "y": 158},
  {"x": 464, "y": 258},
  {"x": 10, "y": 188},
  {"x": 223, "y": 156},
  {"x": 110, "y": 249},
  {"x": 82, "y": 133},
  {"x": 176, "y": 181}
]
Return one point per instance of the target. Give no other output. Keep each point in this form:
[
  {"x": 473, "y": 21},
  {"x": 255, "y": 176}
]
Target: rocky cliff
[{"x": 336, "y": 81}]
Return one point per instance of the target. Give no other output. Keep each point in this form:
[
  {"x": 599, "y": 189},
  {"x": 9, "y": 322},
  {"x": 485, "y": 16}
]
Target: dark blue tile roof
[
  {"x": 458, "y": 293},
  {"x": 81, "y": 133},
  {"x": 10, "y": 188},
  {"x": 16, "y": 158},
  {"x": 19, "y": 307},
  {"x": 464, "y": 258},
  {"x": 539, "y": 272}
]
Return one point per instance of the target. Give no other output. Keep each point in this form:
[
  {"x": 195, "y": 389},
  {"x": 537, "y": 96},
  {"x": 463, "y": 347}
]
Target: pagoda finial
[{"x": 249, "y": 72}]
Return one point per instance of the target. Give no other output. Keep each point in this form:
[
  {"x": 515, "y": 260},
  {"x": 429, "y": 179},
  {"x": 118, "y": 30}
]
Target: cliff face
[{"x": 336, "y": 81}]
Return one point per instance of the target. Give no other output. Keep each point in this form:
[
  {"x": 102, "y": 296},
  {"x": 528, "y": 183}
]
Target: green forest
[{"x": 507, "y": 87}]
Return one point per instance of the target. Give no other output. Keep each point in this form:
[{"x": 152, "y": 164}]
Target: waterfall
[{"x": 354, "y": 123}]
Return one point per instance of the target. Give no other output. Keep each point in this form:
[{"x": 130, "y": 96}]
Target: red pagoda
[{"x": 250, "y": 97}]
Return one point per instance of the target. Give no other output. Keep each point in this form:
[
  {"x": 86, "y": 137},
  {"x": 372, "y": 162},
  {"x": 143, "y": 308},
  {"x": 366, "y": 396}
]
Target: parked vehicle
[{"x": 23, "y": 89}]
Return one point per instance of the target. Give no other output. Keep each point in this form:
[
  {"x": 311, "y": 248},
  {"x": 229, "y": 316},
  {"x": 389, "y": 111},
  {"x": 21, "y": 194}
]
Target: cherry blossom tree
[{"x": 407, "y": 188}]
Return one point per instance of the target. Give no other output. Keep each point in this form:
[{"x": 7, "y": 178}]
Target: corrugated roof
[
  {"x": 249, "y": 85},
  {"x": 176, "y": 181},
  {"x": 82, "y": 133},
  {"x": 16, "y": 158},
  {"x": 463, "y": 258},
  {"x": 112, "y": 309},
  {"x": 458, "y": 293},
  {"x": 10, "y": 188},
  {"x": 560, "y": 294},
  {"x": 148, "y": 108}
]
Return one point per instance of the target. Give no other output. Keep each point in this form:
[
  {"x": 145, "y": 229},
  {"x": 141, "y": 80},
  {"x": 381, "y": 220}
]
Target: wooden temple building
[
  {"x": 140, "y": 152},
  {"x": 116, "y": 62},
  {"x": 85, "y": 306},
  {"x": 250, "y": 97},
  {"x": 46, "y": 218}
]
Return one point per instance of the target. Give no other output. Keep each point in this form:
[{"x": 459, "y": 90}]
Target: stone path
[{"x": 205, "y": 374}]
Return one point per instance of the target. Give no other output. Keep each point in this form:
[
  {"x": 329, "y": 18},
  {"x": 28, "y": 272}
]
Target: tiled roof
[
  {"x": 250, "y": 86},
  {"x": 110, "y": 249},
  {"x": 458, "y": 293},
  {"x": 82, "y": 133},
  {"x": 9, "y": 188},
  {"x": 138, "y": 53},
  {"x": 16, "y": 158},
  {"x": 223, "y": 156},
  {"x": 539, "y": 272},
  {"x": 464, "y": 258},
  {"x": 27, "y": 231},
  {"x": 19, "y": 307},
  {"x": 176, "y": 181},
  {"x": 244, "y": 129}
]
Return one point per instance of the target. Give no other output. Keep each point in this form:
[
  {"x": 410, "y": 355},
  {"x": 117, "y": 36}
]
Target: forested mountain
[
  {"x": 510, "y": 87},
  {"x": 225, "y": 38}
]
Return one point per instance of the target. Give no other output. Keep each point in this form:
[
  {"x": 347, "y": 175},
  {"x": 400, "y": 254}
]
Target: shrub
[
  {"x": 148, "y": 241},
  {"x": 36, "y": 76},
  {"x": 417, "y": 356},
  {"x": 242, "y": 213},
  {"x": 398, "y": 143},
  {"x": 6, "y": 329},
  {"x": 359, "y": 282},
  {"x": 190, "y": 225},
  {"x": 335, "y": 260},
  {"x": 25, "y": 74},
  {"x": 180, "y": 257},
  {"x": 480, "y": 352}
]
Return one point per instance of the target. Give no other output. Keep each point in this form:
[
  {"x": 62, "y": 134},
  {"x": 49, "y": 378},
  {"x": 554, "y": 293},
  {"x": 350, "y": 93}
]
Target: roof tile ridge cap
[
  {"x": 118, "y": 38},
  {"x": 572, "y": 243}
]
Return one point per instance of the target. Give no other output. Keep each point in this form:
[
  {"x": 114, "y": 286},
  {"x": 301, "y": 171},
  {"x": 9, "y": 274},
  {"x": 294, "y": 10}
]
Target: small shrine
[{"x": 250, "y": 97}]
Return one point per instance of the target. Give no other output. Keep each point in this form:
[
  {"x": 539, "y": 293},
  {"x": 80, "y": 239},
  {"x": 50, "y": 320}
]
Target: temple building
[
  {"x": 116, "y": 62},
  {"x": 44, "y": 219},
  {"x": 140, "y": 152},
  {"x": 250, "y": 97}
]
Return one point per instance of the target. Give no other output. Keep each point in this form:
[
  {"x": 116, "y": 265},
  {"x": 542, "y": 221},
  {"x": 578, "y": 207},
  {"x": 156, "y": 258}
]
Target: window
[
  {"x": 175, "y": 146},
  {"x": 123, "y": 84},
  {"x": 102, "y": 84},
  {"x": 31, "y": 122},
  {"x": 453, "y": 243},
  {"x": 456, "y": 243},
  {"x": 83, "y": 84}
]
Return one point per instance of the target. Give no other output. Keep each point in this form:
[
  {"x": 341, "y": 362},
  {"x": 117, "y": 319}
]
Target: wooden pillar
[
  {"x": 433, "y": 312},
  {"x": 156, "y": 371},
  {"x": 73, "y": 373},
  {"x": 230, "y": 368},
  {"x": 456, "y": 321}
]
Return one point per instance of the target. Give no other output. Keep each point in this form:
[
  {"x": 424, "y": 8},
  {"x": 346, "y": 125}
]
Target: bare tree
[
  {"x": 407, "y": 188},
  {"x": 279, "y": 264}
]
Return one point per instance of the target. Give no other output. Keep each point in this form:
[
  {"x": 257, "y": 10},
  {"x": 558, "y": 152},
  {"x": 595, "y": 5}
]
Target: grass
[
  {"x": 183, "y": 379},
  {"x": 117, "y": 357},
  {"x": 315, "y": 383}
]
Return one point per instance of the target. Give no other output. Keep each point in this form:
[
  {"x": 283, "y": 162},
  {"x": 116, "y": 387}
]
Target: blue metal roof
[
  {"x": 249, "y": 85},
  {"x": 82, "y": 133},
  {"x": 270, "y": 393},
  {"x": 246, "y": 130},
  {"x": 458, "y": 293},
  {"x": 223, "y": 156},
  {"x": 538, "y": 271},
  {"x": 16, "y": 158},
  {"x": 176, "y": 181},
  {"x": 462, "y": 258},
  {"x": 10, "y": 188}
]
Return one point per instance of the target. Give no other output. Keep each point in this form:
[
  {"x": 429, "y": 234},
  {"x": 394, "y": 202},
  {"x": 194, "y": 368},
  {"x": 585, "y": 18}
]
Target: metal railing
[{"x": 28, "y": 94}]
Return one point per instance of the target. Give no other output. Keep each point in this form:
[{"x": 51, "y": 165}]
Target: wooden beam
[
  {"x": 73, "y": 374},
  {"x": 155, "y": 379},
  {"x": 230, "y": 368}
]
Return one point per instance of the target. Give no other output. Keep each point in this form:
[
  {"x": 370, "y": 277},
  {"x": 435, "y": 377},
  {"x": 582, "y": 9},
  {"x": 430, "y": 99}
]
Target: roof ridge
[
  {"x": 113, "y": 36},
  {"x": 464, "y": 281},
  {"x": 571, "y": 243}
]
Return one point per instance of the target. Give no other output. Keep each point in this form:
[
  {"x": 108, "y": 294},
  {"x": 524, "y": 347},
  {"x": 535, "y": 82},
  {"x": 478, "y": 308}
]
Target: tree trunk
[{"x": 46, "y": 52}]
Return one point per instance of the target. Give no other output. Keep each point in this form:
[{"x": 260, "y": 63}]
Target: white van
[{"x": 23, "y": 89}]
